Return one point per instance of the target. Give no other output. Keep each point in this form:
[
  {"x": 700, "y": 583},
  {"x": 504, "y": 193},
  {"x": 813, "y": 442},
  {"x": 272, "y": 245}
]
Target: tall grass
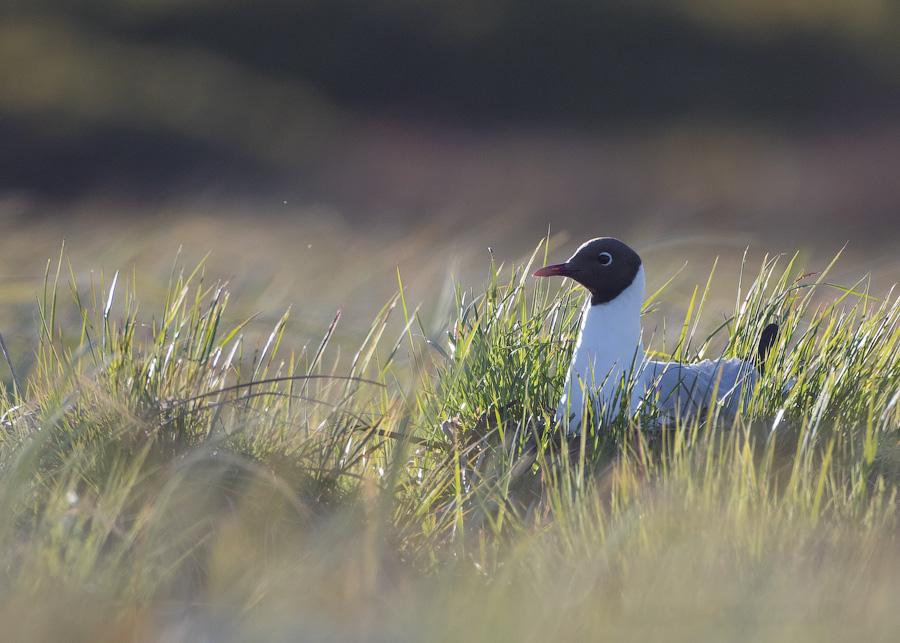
[{"x": 160, "y": 479}]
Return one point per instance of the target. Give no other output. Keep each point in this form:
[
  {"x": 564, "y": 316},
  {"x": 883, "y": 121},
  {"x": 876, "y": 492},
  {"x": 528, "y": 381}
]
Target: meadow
[{"x": 176, "y": 468}]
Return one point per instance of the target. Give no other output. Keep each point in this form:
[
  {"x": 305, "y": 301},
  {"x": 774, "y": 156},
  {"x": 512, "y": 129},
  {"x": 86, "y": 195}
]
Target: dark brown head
[{"x": 604, "y": 266}]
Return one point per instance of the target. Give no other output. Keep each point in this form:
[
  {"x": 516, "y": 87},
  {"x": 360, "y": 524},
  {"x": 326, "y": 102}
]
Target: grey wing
[{"x": 690, "y": 389}]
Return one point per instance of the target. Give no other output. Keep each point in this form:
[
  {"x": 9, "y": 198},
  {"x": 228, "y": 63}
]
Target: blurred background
[{"x": 313, "y": 147}]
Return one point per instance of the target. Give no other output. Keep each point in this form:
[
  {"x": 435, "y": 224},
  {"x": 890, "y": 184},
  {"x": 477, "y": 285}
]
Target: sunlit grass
[{"x": 161, "y": 477}]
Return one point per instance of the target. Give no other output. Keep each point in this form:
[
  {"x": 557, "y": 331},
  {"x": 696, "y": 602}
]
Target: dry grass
[{"x": 167, "y": 480}]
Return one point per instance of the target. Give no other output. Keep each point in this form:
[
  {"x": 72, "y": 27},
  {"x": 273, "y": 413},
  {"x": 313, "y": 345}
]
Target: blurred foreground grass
[{"x": 162, "y": 477}]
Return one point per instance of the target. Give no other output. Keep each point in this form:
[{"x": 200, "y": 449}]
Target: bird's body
[
  {"x": 609, "y": 360},
  {"x": 686, "y": 390}
]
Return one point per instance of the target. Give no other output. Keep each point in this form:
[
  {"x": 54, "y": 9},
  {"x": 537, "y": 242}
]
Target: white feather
[{"x": 607, "y": 348}]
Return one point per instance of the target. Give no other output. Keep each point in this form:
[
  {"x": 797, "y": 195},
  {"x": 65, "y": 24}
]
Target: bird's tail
[{"x": 766, "y": 342}]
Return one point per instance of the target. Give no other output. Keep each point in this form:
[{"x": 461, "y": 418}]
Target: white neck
[{"x": 607, "y": 348}]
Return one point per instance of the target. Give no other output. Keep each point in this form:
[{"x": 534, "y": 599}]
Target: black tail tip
[{"x": 766, "y": 342}]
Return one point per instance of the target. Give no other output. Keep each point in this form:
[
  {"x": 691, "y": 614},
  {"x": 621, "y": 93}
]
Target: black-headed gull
[{"x": 609, "y": 349}]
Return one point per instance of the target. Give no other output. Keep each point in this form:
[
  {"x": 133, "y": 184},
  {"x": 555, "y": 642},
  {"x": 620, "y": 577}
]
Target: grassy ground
[{"x": 162, "y": 477}]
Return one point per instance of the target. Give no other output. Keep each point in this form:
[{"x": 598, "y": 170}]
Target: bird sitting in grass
[{"x": 609, "y": 360}]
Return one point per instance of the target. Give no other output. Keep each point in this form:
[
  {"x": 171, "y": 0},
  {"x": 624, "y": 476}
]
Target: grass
[{"x": 163, "y": 479}]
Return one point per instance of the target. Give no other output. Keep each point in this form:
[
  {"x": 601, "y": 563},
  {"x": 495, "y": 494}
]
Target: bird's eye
[{"x": 604, "y": 258}]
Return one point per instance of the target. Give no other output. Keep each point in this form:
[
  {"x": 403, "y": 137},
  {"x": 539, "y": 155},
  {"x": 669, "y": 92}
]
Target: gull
[{"x": 609, "y": 363}]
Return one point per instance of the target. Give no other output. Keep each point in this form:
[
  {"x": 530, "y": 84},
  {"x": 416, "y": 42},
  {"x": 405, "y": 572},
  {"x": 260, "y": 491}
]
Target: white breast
[{"x": 606, "y": 351}]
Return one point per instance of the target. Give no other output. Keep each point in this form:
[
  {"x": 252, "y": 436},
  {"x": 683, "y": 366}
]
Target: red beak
[{"x": 558, "y": 270}]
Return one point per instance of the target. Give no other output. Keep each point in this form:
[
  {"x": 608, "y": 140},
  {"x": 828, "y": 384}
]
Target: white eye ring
[{"x": 605, "y": 258}]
